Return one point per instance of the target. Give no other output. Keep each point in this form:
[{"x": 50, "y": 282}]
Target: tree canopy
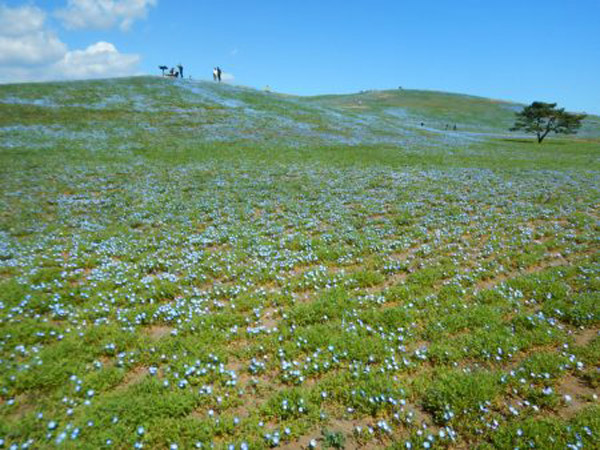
[{"x": 542, "y": 118}]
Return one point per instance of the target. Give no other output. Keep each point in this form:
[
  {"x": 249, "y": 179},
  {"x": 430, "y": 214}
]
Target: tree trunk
[
  {"x": 549, "y": 128},
  {"x": 541, "y": 137}
]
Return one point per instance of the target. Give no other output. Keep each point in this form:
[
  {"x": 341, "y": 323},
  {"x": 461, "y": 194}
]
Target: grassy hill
[
  {"x": 192, "y": 265},
  {"x": 439, "y": 109},
  {"x": 145, "y": 111}
]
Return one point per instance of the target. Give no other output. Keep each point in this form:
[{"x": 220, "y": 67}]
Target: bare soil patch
[
  {"x": 579, "y": 395},
  {"x": 158, "y": 331}
]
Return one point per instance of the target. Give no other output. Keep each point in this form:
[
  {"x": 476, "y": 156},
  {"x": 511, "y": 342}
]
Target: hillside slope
[{"x": 142, "y": 112}]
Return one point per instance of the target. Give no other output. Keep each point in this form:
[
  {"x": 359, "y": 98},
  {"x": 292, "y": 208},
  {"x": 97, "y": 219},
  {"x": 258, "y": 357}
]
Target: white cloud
[
  {"x": 31, "y": 52},
  {"x": 98, "y": 60},
  {"x": 35, "y": 48},
  {"x": 104, "y": 14},
  {"x": 18, "y": 21},
  {"x": 23, "y": 39}
]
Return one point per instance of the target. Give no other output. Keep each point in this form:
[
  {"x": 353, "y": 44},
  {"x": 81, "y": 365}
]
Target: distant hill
[{"x": 138, "y": 112}]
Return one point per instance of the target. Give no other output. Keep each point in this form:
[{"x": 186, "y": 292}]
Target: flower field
[{"x": 166, "y": 283}]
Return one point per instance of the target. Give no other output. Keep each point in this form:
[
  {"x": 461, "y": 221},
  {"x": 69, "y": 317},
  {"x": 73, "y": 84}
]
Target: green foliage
[
  {"x": 580, "y": 309},
  {"x": 542, "y": 118},
  {"x": 549, "y": 364},
  {"x": 551, "y": 432},
  {"x": 454, "y": 395},
  {"x": 333, "y": 439}
]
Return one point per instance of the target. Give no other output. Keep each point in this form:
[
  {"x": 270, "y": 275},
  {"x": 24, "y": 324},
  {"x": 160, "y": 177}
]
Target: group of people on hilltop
[
  {"x": 173, "y": 73},
  {"x": 178, "y": 72}
]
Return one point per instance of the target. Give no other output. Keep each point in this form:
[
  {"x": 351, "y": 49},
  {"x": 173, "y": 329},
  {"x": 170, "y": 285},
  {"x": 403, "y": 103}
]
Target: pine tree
[{"x": 542, "y": 118}]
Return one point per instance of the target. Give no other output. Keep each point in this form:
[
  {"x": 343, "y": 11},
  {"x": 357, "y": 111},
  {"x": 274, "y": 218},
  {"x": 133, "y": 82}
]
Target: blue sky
[{"x": 516, "y": 50}]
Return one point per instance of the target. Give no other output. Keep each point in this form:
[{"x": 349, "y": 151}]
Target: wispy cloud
[{"x": 104, "y": 14}]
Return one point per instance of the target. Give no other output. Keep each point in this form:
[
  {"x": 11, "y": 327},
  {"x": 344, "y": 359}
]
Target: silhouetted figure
[
  {"x": 219, "y": 72},
  {"x": 180, "y": 68},
  {"x": 173, "y": 73},
  {"x": 454, "y": 127},
  {"x": 422, "y": 124},
  {"x": 162, "y": 69},
  {"x": 215, "y": 74}
]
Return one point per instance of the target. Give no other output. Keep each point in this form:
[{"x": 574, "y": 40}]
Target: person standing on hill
[
  {"x": 219, "y": 73},
  {"x": 180, "y": 68},
  {"x": 215, "y": 74}
]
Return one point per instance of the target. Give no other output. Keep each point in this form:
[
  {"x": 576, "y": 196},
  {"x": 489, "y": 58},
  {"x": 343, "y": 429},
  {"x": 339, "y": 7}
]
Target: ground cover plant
[{"x": 189, "y": 265}]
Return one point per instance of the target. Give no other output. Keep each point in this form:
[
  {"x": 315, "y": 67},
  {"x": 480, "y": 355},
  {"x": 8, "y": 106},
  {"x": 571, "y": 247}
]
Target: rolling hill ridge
[{"x": 141, "y": 112}]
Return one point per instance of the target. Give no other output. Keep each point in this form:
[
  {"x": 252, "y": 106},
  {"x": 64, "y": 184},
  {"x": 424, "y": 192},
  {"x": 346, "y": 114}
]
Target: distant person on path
[{"x": 180, "y": 68}]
